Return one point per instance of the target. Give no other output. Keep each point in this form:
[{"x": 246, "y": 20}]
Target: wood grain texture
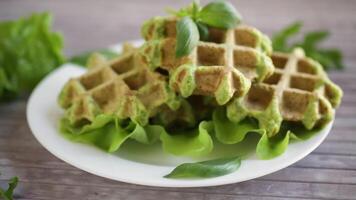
[{"x": 327, "y": 173}]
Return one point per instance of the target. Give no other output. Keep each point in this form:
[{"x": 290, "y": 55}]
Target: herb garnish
[
  {"x": 206, "y": 169},
  {"x": 328, "y": 58},
  {"x": 194, "y": 20},
  {"x": 8, "y": 193}
]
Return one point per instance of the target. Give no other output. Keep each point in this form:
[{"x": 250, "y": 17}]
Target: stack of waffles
[{"x": 234, "y": 68}]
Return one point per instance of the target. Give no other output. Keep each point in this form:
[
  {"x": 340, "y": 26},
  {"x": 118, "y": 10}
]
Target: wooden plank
[
  {"x": 250, "y": 188},
  {"x": 72, "y": 176},
  {"x": 46, "y": 161}
]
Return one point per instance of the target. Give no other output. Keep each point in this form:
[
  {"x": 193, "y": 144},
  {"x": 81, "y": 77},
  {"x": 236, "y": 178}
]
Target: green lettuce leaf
[
  {"x": 229, "y": 132},
  {"x": 109, "y": 133},
  {"x": 206, "y": 169},
  {"x": 195, "y": 142},
  {"x": 29, "y": 50},
  {"x": 105, "y": 132},
  {"x": 268, "y": 148}
]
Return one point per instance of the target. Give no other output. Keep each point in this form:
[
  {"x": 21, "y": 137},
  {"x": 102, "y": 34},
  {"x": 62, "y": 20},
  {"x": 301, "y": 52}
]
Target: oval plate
[{"x": 137, "y": 163}]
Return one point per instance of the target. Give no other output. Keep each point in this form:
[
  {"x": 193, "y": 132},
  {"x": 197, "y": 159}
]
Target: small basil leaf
[
  {"x": 195, "y": 9},
  {"x": 83, "y": 58},
  {"x": 203, "y": 31},
  {"x": 334, "y": 55},
  {"x": 206, "y": 169},
  {"x": 8, "y": 194},
  {"x": 312, "y": 39},
  {"x": 280, "y": 39},
  {"x": 220, "y": 14},
  {"x": 187, "y": 36}
]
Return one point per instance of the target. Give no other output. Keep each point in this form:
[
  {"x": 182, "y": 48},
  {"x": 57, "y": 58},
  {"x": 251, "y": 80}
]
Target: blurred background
[{"x": 92, "y": 24}]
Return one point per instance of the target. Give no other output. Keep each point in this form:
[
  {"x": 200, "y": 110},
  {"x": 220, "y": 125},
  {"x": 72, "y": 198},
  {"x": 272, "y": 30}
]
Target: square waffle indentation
[
  {"x": 303, "y": 83},
  {"x": 273, "y": 79},
  {"x": 91, "y": 80},
  {"x": 245, "y": 37},
  {"x": 217, "y": 35},
  {"x": 259, "y": 97},
  {"x": 295, "y": 103},
  {"x": 245, "y": 58},
  {"x": 306, "y": 67},
  {"x": 104, "y": 94},
  {"x": 279, "y": 61},
  {"x": 123, "y": 65},
  {"x": 135, "y": 81},
  {"x": 211, "y": 55}
]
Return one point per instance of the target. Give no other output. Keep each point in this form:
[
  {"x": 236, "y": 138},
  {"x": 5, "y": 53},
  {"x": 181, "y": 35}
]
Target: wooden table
[{"x": 327, "y": 173}]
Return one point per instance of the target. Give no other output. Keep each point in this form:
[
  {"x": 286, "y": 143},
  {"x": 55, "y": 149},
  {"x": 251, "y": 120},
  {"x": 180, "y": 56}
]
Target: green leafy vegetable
[
  {"x": 203, "y": 31},
  {"x": 219, "y": 14},
  {"x": 105, "y": 132},
  {"x": 194, "y": 21},
  {"x": 29, "y": 50},
  {"x": 109, "y": 133},
  {"x": 229, "y": 132},
  {"x": 195, "y": 142},
  {"x": 8, "y": 193},
  {"x": 268, "y": 148},
  {"x": 187, "y": 36},
  {"x": 280, "y": 39},
  {"x": 82, "y": 59},
  {"x": 328, "y": 58},
  {"x": 206, "y": 169}
]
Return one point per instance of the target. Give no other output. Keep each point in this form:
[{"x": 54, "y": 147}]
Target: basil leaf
[
  {"x": 219, "y": 14},
  {"x": 312, "y": 39},
  {"x": 203, "y": 31},
  {"x": 328, "y": 58},
  {"x": 206, "y": 169},
  {"x": 82, "y": 59},
  {"x": 280, "y": 39},
  {"x": 187, "y": 36},
  {"x": 8, "y": 194}
]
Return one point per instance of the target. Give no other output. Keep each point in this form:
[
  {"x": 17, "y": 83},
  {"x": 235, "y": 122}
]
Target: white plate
[{"x": 137, "y": 163}]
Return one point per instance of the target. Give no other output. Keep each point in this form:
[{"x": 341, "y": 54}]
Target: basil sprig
[
  {"x": 192, "y": 26},
  {"x": 9, "y": 192},
  {"x": 206, "y": 169},
  {"x": 328, "y": 57}
]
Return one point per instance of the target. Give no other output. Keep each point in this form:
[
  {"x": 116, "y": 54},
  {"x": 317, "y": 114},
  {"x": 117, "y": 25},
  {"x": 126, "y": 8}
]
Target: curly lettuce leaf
[
  {"x": 195, "y": 142},
  {"x": 105, "y": 132},
  {"x": 268, "y": 148},
  {"x": 229, "y": 132},
  {"x": 29, "y": 50},
  {"x": 109, "y": 133}
]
